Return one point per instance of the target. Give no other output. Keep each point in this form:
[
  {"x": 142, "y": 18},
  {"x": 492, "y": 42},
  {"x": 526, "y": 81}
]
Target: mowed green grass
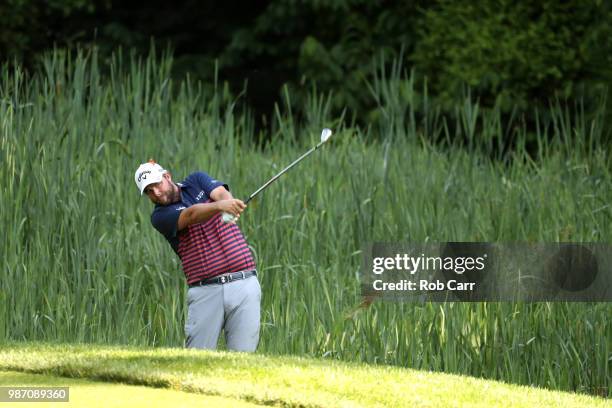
[
  {"x": 100, "y": 394},
  {"x": 283, "y": 381}
]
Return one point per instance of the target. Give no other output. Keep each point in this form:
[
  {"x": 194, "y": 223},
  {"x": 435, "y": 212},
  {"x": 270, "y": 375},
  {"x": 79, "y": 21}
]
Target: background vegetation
[
  {"x": 81, "y": 263},
  {"x": 516, "y": 55},
  {"x": 454, "y": 121}
]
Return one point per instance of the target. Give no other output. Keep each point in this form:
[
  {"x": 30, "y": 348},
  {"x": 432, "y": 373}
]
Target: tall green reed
[{"x": 81, "y": 261}]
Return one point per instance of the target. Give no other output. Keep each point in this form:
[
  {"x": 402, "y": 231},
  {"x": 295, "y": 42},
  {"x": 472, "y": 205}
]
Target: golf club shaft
[
  {"x": 325, "y": 135},
  {"x": 283, "y": 171}
]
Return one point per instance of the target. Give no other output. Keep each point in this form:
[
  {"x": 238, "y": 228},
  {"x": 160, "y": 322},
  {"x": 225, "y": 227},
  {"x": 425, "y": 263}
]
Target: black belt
[{"x": 225, "y": 278}]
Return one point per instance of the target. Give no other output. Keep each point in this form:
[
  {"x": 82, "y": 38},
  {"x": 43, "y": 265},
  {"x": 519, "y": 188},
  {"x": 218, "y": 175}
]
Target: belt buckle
[{"x": 222, "y": 279}]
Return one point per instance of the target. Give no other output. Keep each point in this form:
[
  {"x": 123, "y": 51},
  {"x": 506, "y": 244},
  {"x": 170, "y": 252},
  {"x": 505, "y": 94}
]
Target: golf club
[{"x": 325, "y": 135}]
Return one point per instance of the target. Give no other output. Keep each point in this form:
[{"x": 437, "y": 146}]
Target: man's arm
[
  {"x": 220, "y": 193},
  {"x": 202, "y": 212}
]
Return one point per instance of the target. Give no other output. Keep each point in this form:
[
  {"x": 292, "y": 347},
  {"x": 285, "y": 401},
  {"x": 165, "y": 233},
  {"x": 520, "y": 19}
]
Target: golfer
[{"x": 224, "y": 292}]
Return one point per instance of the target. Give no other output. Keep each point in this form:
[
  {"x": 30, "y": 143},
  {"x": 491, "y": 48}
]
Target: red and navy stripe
[{"x": 212, "y": 248}]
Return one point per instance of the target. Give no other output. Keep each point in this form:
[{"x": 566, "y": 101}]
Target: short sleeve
[
  {"x": 165, "y": 219},
  {"x": 208, "y": 183}
]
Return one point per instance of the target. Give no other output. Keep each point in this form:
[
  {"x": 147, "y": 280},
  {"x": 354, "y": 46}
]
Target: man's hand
[
  {"x": 233, "y": 206},
  {"x": 221, "y": 194}
]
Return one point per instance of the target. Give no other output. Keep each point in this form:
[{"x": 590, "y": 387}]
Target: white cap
[{"x": 148, "y": 173}]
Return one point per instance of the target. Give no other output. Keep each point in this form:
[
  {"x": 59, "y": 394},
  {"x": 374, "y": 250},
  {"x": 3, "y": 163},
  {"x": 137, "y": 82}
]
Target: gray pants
[{"x": 233, "y": 307}]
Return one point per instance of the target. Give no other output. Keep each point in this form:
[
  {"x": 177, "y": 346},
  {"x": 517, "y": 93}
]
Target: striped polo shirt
[{"x": 209, "y": 248}]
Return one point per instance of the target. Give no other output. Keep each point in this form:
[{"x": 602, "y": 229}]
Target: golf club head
[{"x": 325, "y": 135}]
